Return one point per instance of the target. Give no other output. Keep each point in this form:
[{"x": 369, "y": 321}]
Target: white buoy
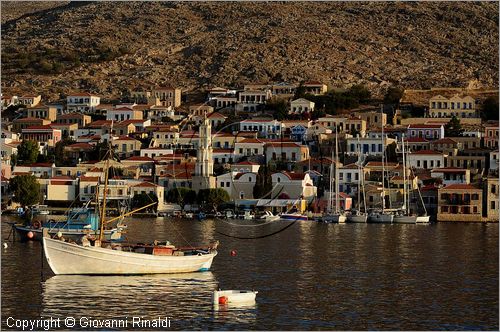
[{"x": 5, "y": 245}]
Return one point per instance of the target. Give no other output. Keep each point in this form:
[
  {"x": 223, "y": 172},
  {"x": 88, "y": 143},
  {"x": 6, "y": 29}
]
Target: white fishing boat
[
  {"x": 379, "y": 217},
  {"x": 108, "y": 259},
  {"x": 42, "y": 210},
  {"x": 233, "y": 297},
  {"x": 94, "y": 256}
]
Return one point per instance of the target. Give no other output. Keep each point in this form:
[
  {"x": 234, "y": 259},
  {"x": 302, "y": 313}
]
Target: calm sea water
[{"x": 310, "y": 276}]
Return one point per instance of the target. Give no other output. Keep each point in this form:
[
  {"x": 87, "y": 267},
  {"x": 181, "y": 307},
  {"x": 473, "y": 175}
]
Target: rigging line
[{"x": 257, "y": 237}]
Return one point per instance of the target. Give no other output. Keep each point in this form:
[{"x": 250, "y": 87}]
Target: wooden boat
[
  {"x": 108, "y": 259},
  {"x": 233, "y": 297},
  {"x": 96, "y": 256}
]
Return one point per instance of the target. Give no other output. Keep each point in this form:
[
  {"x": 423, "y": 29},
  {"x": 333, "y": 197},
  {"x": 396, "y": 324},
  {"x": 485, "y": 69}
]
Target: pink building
[{"x": 45, "y": 135}]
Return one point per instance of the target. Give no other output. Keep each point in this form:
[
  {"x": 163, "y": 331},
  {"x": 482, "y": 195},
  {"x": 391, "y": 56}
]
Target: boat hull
[
  {"x": 71, "y": 234},
  {"x": 68, "y": 258},
  {"x": 423, "y": 219},
  {"x": 293, "y": 217},
  {"x": 404, "y": 219},
  {"x": 380, "y": 218},
  {"x": 335, "y": 219},
  {"x": 361, "y": 218}
]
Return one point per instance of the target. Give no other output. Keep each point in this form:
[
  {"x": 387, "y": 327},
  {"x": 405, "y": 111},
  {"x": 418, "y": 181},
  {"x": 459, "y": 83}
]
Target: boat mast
[
  {"x": 359, "y": 172},
  {"x": 330, "y": 193},
  {"x": 383, "y": 157},
  {"x": 405, "y": 208},
  {"x": 106, "y": 176},
  {"x": 337, "y": 209}
]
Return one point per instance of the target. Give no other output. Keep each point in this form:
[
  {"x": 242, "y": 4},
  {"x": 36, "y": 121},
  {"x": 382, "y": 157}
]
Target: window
[
  {"x": 492, "y": 205},
  {"x": 249, "y": 179},
  {"x": 120, "y": 192},
  {"x": 493, "y": 188},
  {"x": 475, "y": 197},
  {"x": 222, "y": 184},
  {"x": 85, "y": 190},
  {"x": 227, "y": 184}
]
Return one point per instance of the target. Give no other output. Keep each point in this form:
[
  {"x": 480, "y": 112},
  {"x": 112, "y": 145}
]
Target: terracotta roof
[
  {"x": 294, "y": 176},
  {"x": 89, "y": 178},
  {"x": 460, "y": 187},
  {"x": 125, "y": 138},
  {"x": 424, "y": 126},
  {"x": 70, "y": 115},
  {"x": 223, "y": 150},
  {"x": 350, "y": 166},
  {"x": 28, "y": 120},
  {"x": 81, "y": 94},
  {"x": 246, "y": 163},
  {"x": 139, "y": 158},
  {"x": 146, "y": 184},
  {"x": 251, "y": 140},
  {"x": 80, "y": 146},
  {"x": 417, "y": 140},
  {"x": 379, "y": 164},
  {"x": 239, "y": 175},
  {"x": 44, "y": 127},
  {"x": 216, "y": 115}
]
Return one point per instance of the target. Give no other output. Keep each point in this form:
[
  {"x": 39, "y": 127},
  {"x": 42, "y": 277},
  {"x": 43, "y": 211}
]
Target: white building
[
  {"x": 426, "y": 159},
  {"x": 265, "y": 128},
  {"x": 82, "y": 102},
  {"x": 301, "y": 105},
  {"x": 452, "y": 175},
  {"x": 427, "y": 131},
  {"x": 460, "y": 107}
]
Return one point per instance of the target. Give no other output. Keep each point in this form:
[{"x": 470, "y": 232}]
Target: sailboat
[
  {"x": 336, "y": 216},
  {"x": 93, "y": 255},
  {"x": 381, "y": 216},
  {"x": 358, "y": 216},
  {"x": 403, "y": 216}
]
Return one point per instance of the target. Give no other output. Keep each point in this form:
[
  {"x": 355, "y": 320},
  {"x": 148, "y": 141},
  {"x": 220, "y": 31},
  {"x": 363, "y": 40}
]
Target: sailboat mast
[
  {"x": 405, "y": 208},
  {"x": 383, "y": 157},
  {"x": 337, "y": 209},
  {"x": 359, "y": 178},
  {"x": 106, "y": 178},
  {"x": 330, "y": 193}
]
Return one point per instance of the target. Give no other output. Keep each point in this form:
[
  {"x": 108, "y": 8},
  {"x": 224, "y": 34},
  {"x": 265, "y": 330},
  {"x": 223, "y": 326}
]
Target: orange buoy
[
  {"x": 233, "y": 252},
  {"x": 222, "y": 299},
  {"x": 30, "y": 235}
]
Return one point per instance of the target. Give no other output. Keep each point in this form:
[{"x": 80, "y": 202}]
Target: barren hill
[{"x": 109, "y": 47}]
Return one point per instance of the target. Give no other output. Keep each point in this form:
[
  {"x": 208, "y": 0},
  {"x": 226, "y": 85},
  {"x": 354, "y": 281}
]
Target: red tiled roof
[
  {"x": 139, "y": 158},
  {"x": 246, "y": 163},
  {"x": 28, "y": 120},
  {"x": 44, "y": 127},
  {"x": 81, "y": 94},
  {"x": 222, "y": 150},
  {"x": 216, "y": 115},
  {"x": 417, "y": 140},
  {"x": 70, "y": 115},
  {"x": 89, "y": 178},
  {"x": 124, "y": 138},
  {"x": 146, "y": 184},
  {"x": 294, "y": 176},
  {"x": 258, "y": 120},
  {"x": 85, "y": 146},
  {"x": 425, "y": 126},
  {"x": 251, "y": 140},
  {"x": 460, "y": 187}
]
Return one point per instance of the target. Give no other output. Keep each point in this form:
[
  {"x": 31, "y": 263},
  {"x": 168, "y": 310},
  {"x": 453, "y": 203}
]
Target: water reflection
[{"x": 184, "y": 298}]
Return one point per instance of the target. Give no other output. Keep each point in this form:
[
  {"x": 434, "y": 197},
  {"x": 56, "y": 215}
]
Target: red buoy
[
  {"x": 30, "y": 235},
  {"x": 222, "y": 299},
  {"x": 233, "y": 252}
]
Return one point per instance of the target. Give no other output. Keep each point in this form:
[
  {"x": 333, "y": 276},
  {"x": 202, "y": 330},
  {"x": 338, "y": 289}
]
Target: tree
[
  {"x": 26, "y": 190},
  {"x": 300, "y": 92},
  {"x": 279, "y": 107},
  {"x": 181, "y": 196},
  {"x": 212, "y": 197},
  {"x": 140, "y": 200},
  {"x": 393, "y": 95},
  {"x": 453, "y": 128},
  {"x": 360, "y": 92},
  {"x": 59, "y": 150},
  {"x": 263, "y": 184},
  {"x": 489, "y": 109},
  {"x": 27, "y": 152}
]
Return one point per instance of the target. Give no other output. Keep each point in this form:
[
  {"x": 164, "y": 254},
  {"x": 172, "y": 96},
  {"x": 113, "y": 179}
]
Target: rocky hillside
[{"x": 108, "y": 47}]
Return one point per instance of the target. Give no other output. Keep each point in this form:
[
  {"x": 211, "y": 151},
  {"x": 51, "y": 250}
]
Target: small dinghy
[{"x": 233, "y": 297}]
